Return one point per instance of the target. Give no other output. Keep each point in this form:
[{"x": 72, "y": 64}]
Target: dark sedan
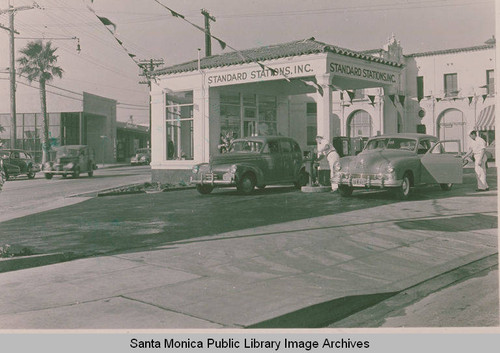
[
  {"x": 18, "y": 162},
  {"x": 251, "y": 162}
]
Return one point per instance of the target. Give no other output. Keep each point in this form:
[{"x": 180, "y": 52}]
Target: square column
[{"x": 324, "y": 106}]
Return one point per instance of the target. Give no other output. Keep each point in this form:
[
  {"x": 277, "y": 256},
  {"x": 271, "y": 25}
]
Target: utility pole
[
  {"x": 208, "y": 39},
  {"x": 12, "y": 10},
  {"x": 148, "y": 66}
]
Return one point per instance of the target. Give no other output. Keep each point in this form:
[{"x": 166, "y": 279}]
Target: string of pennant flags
[{"x": 111, "y": 27}]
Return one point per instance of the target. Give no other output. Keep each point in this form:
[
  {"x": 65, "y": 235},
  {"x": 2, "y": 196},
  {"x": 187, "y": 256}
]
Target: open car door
[{"x": 442, "y": 164}]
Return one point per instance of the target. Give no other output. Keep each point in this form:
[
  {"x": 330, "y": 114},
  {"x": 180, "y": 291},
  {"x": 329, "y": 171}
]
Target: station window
[
  {"x": 179, "y": 125},
  {"x": 312, "y": 123},
  {"x": 451, "y": 85},
  {"x": 420, "y": 88}
]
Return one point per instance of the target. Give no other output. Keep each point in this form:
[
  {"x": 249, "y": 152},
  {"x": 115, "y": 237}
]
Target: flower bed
[{"x": 143, "y": 188}]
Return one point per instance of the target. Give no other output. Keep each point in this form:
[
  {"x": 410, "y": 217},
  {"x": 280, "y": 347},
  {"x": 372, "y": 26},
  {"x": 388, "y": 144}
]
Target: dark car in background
[
  {"x": 142, "y": 156},
  {"x": 71, "y": 160},
  {"x": 253, "y": 162},
  {"x": 18, "y": 162}
]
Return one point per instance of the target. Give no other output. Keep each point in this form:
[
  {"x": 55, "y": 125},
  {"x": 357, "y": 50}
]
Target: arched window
[{"x": 360, "y": 124}]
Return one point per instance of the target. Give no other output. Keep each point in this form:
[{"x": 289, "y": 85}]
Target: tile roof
[
  {"x": 453, "y": 51},
  {"x": 269, "y": 52}
]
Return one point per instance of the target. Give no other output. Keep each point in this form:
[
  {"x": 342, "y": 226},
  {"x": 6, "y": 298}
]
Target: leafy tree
[{"x": 38, "y": 63}]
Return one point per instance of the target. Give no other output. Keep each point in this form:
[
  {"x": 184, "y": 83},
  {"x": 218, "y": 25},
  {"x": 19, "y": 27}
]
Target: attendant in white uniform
[
  {"x": 326, "y": 149},
  {"x": 477, "y": 148}
]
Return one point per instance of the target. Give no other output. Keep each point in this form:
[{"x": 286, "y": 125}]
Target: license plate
[{"x": 358, "y": 182}]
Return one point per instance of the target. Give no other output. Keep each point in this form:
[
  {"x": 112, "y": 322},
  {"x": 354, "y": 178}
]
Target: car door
[
  {"x": 273, "y": 163},
  {"x": 23, "y": 162},
  {"x": 442, "y": 164},
  {"x": 14, "y": 160},
  {"x": 287, "y": 158}
]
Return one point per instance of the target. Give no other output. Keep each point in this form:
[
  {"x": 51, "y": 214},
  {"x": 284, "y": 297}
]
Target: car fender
[
  {"x": 404, "y": 164},
  {"x": 243, "y": 168}
]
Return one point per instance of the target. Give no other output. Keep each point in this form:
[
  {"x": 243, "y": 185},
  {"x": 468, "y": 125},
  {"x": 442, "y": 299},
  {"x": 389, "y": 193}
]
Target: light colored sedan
[{"x": 399, "y": 162}]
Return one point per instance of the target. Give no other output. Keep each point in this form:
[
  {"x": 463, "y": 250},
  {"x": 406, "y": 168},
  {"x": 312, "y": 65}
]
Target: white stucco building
[{"x": 306, "y": 88}]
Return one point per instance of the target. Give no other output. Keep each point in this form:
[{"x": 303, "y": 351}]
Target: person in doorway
[
  {"x": 326, "y": 149},
  {"x": 477, "y": 149}
]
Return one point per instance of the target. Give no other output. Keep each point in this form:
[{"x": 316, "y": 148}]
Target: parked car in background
[
  {"x": 142, "y": 156},
  {"x": 399, "y": 162},
  {"x": 250, "y": 162},
  {"x": 490, "y": 151},
  {"x": 18, "y": 162},
  {"x": 2, "y": 174},
  {"x": 71, "y": 160}
]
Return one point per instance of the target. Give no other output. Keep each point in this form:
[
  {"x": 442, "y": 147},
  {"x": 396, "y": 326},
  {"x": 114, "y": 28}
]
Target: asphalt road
[
  {"x": 22, "y": 196},
  {"x": 125, "y": 223}
]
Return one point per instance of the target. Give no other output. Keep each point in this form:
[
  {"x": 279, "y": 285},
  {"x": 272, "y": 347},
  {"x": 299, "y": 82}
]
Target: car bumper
[
  {"x": 367, "y": 182},
  {"x": 213, "y": 179}
]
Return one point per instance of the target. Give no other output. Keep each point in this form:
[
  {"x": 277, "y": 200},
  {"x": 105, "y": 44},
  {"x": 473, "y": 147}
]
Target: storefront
[{"x": 273, "y": 90}]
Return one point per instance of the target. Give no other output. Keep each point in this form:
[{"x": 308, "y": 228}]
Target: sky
[{"x": 149, "y": 31}]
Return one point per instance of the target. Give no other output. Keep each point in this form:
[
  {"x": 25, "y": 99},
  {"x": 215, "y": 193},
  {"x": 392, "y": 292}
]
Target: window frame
[{"x": 451, "y": 91}]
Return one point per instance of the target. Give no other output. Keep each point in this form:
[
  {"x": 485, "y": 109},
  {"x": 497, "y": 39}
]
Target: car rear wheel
[
  {"x": 345, "y": 191},
  {"x": 48, "y": 176},
  {"x": 76, "y": 173},
  {"x": 403, "y": 192},
  {"x": 446, "y": 187},
  {"x": 302, "y": 179},
  {"x": 31, "y": 173},
  {"x": 64, "y": 175},
  {"x": 246, "y": 184},
  {"x": 204, "y": 189}
]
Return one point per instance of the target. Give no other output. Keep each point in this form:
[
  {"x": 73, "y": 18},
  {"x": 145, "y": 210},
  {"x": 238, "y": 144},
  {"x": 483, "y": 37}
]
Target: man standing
[
  {"x": 477, "y": 148},
  {"x": 326, "y": 149}
]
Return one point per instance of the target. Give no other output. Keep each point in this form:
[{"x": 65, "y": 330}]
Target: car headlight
[
  {"x": 233, "y": 169},
  {"x": 389, "y": 169},
  {"x": 195, "y": 169},
  {"x": 70, "y": 165},
  {"x": 143, "y": 158}
]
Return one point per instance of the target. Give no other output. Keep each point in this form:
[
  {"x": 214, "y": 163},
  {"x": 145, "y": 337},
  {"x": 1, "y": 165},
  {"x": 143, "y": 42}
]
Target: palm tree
[{"x": 38, "y": 63}]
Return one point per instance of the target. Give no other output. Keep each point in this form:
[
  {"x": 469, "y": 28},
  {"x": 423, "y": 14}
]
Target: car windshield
[
  {"x": 65, "y": 151},
  {"x": 4, "y": 154},
  {"x": 245, "y": 146},
  {"x": 391, "y": 143}
]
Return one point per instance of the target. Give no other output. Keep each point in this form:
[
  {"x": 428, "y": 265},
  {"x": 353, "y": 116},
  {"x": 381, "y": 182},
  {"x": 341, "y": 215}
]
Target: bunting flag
[
  {"x": 351, "y": 95},
  {"x": 392, "y": 97},
  {"x": 470, "y": 99},
  {"x": 221, "y": 43},
  {"x": 318, "y": 88},
  {"x": 484, "y": 97},
  {"x": 372, "y": 100},
  {"x": 341, "y": 96},
  {"x": 105, "y": 21},
  {"x": 401, "y": 99},
  {"x": 438, "y": 99}
]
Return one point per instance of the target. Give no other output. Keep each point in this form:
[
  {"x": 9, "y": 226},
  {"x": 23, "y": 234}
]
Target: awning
[{"x": 486, "y": 119}]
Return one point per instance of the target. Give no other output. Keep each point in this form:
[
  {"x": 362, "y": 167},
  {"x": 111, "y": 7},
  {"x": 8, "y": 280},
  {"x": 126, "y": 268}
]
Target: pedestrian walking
[
  {"x": 326, "y": 150},
  {"x": 477, "y": 149}
]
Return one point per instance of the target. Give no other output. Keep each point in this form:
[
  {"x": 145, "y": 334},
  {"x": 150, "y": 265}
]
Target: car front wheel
[
  {"x": 446, "y": 187},
  {"x": 76, "y": 173},
  {"x": 204, "y": 189},
  {"x": 246, "y": 184},
  {"x": 31, "y": 174},
  {"x": 48, "y": 176},
  {"x": 403, "y": 192},
  {"x": 302, "y": 179}
]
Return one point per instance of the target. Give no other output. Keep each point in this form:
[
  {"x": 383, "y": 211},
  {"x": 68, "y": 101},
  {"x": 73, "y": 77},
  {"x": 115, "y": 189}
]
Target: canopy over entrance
[{"x": 486, "y": 119}]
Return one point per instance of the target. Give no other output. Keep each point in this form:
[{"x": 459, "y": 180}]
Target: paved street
[
  {"x": 22, "y": 196},
  {"x": 278, "y": 258}
]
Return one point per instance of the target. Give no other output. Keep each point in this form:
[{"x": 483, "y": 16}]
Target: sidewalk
[{"x": 303, "y": 273}]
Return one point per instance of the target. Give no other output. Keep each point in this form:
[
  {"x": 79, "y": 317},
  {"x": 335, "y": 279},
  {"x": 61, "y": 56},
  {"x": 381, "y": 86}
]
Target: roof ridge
[{"x": 450, "y": 50}]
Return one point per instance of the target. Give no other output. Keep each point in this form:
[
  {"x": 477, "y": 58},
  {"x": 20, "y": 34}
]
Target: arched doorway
[
  {"x": 451, "y": 126},
  {"x": 359, "y": 129}
]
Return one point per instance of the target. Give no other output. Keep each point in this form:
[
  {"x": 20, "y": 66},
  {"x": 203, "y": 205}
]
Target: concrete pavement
[{"x": 303, "y": 273}]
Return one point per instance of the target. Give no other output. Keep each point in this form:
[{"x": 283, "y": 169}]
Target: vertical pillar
[
  {"x": 324, "y": 106},
  {"x": 158, "y": 127}
]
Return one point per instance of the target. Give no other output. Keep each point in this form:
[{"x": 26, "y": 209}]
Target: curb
[
  {"x": 104, "y": 193},
  {"x": 22, "y": 262},
  {"x": 332, "y": 313}
]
